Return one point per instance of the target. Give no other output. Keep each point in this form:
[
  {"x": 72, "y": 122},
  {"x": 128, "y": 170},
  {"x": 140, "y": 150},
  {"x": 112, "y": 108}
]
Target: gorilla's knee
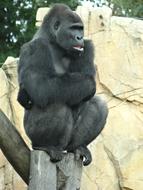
[
  {"x": 101, "y": 112},
  {"x": 101, "y": 106}
]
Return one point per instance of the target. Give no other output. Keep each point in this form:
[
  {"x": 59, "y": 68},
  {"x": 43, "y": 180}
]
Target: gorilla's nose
[{"x": 79, "y": 38}]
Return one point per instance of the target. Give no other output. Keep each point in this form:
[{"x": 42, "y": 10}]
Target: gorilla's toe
[
  {"x": 84, "y": 153},
  {"x": 55, "y": 156}
]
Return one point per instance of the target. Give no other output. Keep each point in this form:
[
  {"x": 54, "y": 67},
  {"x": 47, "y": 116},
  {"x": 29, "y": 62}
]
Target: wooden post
[
  {"x": 63, "y": 175},
  {"x": 42, "y": 172}
]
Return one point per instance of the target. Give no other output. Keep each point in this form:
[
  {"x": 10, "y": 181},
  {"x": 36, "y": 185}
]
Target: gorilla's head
[{"x": 64, "y": 28}]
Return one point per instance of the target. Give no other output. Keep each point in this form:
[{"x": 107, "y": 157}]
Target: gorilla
[{"x": 57, "y": 86}]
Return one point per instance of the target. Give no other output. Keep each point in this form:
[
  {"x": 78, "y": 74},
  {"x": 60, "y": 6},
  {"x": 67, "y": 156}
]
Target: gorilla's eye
[{"x": 56, "y": 25}]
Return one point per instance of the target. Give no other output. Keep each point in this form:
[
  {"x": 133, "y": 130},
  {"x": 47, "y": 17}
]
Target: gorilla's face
[
  {"x": 65, "y": 29},
  {"x": 69, "y": 35}
]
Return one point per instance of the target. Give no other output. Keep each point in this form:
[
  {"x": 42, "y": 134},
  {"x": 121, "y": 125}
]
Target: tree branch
[{"x": 14, "y": 147}]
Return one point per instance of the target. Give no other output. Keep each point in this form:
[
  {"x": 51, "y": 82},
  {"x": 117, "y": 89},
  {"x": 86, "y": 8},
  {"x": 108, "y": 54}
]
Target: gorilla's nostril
[{"x": 79, "y": 37}]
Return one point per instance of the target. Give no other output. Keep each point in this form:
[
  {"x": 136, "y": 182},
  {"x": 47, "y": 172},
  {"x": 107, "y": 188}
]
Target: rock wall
[
  {"x": 9, "y": 179},
  {"x": 118, "y": 151}
]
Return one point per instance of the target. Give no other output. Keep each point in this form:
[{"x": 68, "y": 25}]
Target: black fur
[{"x": 57, "y": 87}]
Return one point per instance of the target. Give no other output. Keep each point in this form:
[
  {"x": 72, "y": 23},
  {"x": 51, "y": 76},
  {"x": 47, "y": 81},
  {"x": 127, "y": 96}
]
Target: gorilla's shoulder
[
  {"x": 34, "y": 45},
  {"x": 38, "y": 43}
]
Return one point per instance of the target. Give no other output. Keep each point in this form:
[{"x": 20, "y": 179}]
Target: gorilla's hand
[
  {"x": 24, "y": 99},
  {"x": 88, "y": 89},
  {"x": 93, "y": 89}
]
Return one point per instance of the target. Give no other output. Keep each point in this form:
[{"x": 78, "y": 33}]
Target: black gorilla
[{"x": 56, "y": 78}]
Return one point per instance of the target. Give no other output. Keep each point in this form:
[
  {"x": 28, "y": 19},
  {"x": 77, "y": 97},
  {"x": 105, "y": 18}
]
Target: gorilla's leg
[
  {"x": 49, "y": 129},
  {"x": 91, "y": 121}
]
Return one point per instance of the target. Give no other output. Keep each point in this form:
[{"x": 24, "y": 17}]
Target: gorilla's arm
[
  {"x": 88, "y": 68},
  {"x": 85, "y": 65},
  {"x": 64, "y": 89},
  {"x": 44, "y": 89}
]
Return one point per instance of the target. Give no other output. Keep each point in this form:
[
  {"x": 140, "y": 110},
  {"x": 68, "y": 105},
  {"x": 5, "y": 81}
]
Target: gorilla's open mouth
[{"x": 79, "y": 48}]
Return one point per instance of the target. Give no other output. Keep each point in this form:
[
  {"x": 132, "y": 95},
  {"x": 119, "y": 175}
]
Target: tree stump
[{"x": 63, "y": 175}]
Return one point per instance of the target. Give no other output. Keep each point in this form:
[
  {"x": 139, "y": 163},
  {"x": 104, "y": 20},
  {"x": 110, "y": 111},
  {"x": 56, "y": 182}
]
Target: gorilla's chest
[
  {"x": 63, "y": 65},
  {"x": 75, "y": 66}
]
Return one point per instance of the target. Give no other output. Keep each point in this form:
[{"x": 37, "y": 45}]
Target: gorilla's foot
[
  {"x": 55, "y": 155},
  {"x": 84, "y": 153}
]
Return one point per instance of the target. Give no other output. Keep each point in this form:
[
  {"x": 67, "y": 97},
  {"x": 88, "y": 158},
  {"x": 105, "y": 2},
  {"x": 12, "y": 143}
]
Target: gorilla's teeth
[{"x": 78, "y": 48}]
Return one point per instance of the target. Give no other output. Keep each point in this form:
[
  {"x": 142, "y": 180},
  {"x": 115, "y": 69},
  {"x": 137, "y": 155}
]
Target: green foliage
[
  {"x": 129, "y": 8},
  {"x": 17, "y": 23}
]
